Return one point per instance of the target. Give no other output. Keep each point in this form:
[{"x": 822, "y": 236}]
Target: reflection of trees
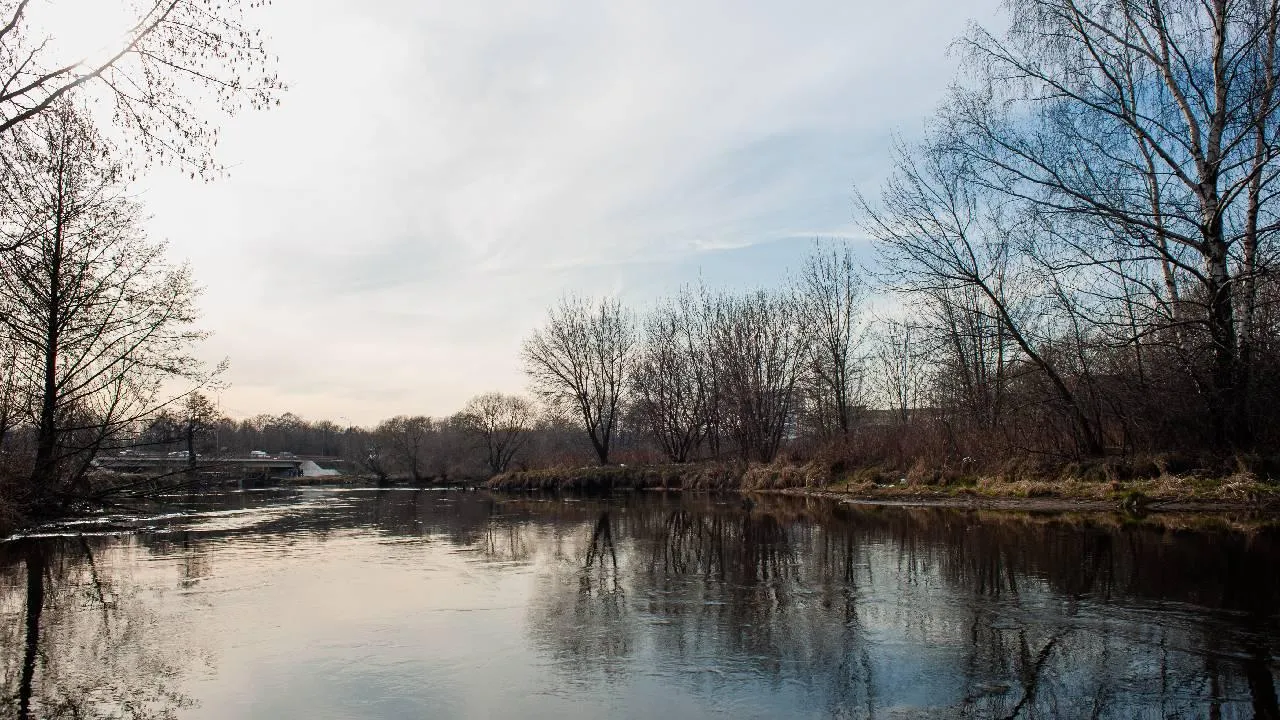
[
  {"x": 994, "y": 615},
  {"x": 77, "y": 641},
  {"x": 1015, "y": 616},
  {"x": 743, "y": 549},
  {"x": 588, "y": 620},
  {"x": 774, "y": 596},
  {"x": 1045, "y": 639},
  {"x": 34, "y": 561},
  {"x": 601, "y": 543},
  {"x": 86, "y": 646},
  {"x": 507, "y": 543},
  {"x": 706, "y": 585}
]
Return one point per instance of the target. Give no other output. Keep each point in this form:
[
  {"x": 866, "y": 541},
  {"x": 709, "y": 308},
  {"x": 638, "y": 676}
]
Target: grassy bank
[
  {"x": 1128, "y": 484},
  {"x": 701, "y": 476}
]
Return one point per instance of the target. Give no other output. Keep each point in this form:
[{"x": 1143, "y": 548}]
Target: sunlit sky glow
[{"x": 440, "y": 172}]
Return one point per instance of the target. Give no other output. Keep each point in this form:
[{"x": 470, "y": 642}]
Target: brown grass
[{"x": 1118, "y": 483}]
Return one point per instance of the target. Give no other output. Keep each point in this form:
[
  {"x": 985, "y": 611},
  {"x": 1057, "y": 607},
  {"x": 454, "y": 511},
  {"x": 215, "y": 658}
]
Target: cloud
[{"x": 440, "y": 172}]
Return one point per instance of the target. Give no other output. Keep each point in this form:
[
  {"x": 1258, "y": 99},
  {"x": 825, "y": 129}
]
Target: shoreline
[
  {"x": 1164, "y": 493},
  {"x": 1025, "y": 504}
]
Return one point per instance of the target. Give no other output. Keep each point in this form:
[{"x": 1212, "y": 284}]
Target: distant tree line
[{"x": 494, "y": 432}]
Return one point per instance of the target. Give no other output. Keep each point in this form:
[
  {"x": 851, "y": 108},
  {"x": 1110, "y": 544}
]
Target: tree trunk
[
  {"x": 1228, "y": 429},
  {"x": 45, "y": 469},
  {"x": 601, "y": 448}
]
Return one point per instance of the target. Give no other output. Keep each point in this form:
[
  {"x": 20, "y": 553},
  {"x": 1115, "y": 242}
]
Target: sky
[{"x": 439, "y": 173}]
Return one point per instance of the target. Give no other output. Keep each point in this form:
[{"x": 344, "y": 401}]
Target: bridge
[{"x": 283, "y": 465}]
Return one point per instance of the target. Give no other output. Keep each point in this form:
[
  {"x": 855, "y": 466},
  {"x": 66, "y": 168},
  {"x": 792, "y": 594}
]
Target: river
[{"x": 403, "y": 603}]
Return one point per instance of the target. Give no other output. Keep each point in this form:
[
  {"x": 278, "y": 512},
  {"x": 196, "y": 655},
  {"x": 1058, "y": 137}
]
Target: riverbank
[{"x": 1102, "y": 486}]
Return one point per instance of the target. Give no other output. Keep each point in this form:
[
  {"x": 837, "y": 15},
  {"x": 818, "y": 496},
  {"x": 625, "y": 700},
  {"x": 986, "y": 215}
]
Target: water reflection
[
  {"x": 933, "y": 610},
  {"x": 83, "y": 646},
  {"x": 638, "y": 605}
]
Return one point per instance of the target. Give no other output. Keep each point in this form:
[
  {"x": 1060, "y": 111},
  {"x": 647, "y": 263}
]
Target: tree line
[
  {"x": 709, "y": 375},
  {"x": 1081, "y": 253},
  {"x": 492, "y": 433},
  {"x": 1076, "y": 261}
]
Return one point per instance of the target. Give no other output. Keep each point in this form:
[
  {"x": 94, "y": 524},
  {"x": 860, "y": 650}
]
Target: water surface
[{"x": 390, "y": 604}]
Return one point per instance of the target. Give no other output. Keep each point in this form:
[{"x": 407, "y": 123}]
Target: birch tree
[
  {"x": 1151, "y": 126},
  {"x": 943, "y": 237}
]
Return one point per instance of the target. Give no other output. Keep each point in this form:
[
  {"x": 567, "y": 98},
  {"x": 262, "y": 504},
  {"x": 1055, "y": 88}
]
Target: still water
[{"x": 399, "y": 604}]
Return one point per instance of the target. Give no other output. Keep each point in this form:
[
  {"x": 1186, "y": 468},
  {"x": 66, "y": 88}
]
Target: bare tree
[
  {"x": 451, "y": 453},
  {"x": 941, "y": 236},
  {"x": 556, "y": 441},
  {"x": 14, "y": 396},
  {"x": 970, "y": 350},
  {"x": 502, "y": 423},
  {"x": 372, "y": 457},
  {"x": 672, "y": 381},
  {"x": 579, "y": 362},
  {"x": 758, "y": 354},
  {"x": 1150, "y": 127},
  {"x": 831, "y": 295},
  {"x": 899, "y": 366},
  {"x": 198, "y": 418},
  {"x": 152, "y": 69},
  {"x": 408, "y": 439},
  {"x": 99, "y": 317}
]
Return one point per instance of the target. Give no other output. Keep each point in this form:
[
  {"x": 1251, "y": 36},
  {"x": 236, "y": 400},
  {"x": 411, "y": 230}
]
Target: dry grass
[
  {"x": 701, "y": 476},
  {"x": 1118, "y": 483}
]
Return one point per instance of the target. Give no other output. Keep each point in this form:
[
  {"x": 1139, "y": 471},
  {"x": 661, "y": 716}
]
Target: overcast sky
[{"x": 440, "y": 172}]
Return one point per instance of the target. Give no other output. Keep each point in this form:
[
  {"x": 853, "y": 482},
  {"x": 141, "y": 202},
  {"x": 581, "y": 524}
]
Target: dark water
[{"x": 430, "y": 604}]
